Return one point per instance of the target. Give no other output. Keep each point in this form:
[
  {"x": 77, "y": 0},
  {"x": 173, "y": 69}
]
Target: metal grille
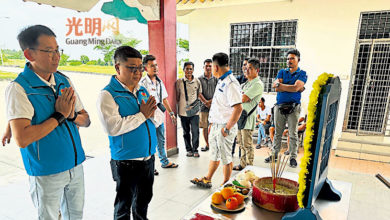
[
  {"x": 267, "y": 41},
  {"x": 240, "y": 35},
  {"x": 236, "y": 57},
  {"x": 262, "y": 34},
  {"x": 285, "y": 33},
  {"x": 375, "y": 25},
  {"x": 358, "y": 86},
  {"x": 264, "y": 55},
  {"x": 330, "y": 124},
  {"x": 377, "y": 91},
  {"x": 369, "y": 96}
]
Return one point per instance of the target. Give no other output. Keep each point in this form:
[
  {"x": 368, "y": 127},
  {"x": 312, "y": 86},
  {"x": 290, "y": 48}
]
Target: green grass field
[
  {"x": 7, "y": 75},
  {"x": 15, "y": 62},
  {"x": 109, "y": 70}
]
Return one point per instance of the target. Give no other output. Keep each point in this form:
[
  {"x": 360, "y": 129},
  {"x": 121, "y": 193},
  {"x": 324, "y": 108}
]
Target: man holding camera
[
  {"x": 156, "y": 88},
  {"x": 289, "y": 85}
]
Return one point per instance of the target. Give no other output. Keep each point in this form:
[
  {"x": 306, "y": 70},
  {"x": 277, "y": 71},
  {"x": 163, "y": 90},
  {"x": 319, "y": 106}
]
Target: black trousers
[
  {"x": 191, "y": 124},
  {"x": 134, "y": 187}
]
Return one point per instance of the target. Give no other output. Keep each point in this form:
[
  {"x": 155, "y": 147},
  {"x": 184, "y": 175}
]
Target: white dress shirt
[
  {"x": 113, "y": 123},
  {"x": 154, "y": 90}
]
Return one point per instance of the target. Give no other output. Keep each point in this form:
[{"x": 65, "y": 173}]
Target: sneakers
[
  {"x": 258, "y": 146},
  {"x": 293, "y": 163},
  {"x": 205, "y": 148},
  {"x": 269, "y": 159}
]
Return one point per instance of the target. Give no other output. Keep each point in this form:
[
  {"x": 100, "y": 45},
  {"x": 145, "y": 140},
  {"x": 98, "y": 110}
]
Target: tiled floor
[
  {"x": 348, "y": 164},
  {"x": 174, "y": 196}
]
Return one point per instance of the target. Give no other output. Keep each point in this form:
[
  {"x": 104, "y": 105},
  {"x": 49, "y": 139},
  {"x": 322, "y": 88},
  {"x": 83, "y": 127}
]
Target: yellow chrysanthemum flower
[{"x": 312, "y": 107}]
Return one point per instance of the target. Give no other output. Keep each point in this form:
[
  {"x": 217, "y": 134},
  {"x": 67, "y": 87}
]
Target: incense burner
[{"x": 284, "y": 199}]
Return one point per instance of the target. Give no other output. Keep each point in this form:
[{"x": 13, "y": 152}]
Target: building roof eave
[
  {"x": 81, "y": 6},
  {"x": 205, "y": 4}
]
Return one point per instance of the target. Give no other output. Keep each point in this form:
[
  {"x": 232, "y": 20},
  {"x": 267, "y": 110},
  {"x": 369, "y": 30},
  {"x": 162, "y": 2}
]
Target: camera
[{"x": 161, "y": 107}]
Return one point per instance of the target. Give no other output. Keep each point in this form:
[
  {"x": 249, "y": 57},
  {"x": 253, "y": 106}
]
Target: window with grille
[
  {"x": 267, "y": 41},
  {"x": 369, "y": 98},
  {"x": 375, "y": 25}
]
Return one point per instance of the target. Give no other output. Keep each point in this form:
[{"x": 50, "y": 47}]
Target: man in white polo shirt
[
  {"x": 156, "y": 88},
  {"x": 224, "y": 113}
]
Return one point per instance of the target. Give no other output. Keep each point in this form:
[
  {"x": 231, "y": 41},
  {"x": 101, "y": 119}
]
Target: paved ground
[{"x": 174, "y": 195}]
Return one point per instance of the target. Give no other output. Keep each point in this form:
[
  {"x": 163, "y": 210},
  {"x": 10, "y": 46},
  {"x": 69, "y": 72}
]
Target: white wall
[{"x": 326, "y": 35}]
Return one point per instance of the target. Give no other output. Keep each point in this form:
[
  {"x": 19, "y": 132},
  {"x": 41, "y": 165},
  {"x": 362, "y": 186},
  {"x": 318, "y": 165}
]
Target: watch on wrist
[
  {"x": 171, "y": 113},
  {"x": 227, "y": 131},
  {"x": 74, "y": 117},
  {"x": 59, "y": 117},
  {"x": 277, "y": 84}
]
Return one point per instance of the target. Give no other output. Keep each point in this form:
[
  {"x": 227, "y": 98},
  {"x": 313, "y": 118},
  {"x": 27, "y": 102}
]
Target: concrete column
[{"x": 162, "y": 44}]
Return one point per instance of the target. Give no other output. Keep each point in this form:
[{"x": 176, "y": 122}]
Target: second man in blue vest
[{"x": 125, "y": 110}]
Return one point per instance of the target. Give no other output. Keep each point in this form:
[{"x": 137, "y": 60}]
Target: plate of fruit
[
  {"x": 243, "y": 190},
  {"x": 228, "y": 200}
]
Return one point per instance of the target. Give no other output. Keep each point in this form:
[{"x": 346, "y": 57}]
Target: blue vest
[
  {"x": 61, "y": 149},
  {"x": 140, "y": 142}
]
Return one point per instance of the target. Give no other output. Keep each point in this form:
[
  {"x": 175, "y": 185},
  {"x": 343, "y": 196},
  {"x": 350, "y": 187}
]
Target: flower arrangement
[{"x": 312, "y": 107}]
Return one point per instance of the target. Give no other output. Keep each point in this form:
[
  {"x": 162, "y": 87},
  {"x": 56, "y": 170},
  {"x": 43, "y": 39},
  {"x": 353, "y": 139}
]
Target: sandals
[
  {"x": 203, "y": 182},
  {"x": 238, "y": 168},
  {"x": 171, "y": 165},
  {"x": 190, "y": 154},
  {"x": 196, "y": 154}
]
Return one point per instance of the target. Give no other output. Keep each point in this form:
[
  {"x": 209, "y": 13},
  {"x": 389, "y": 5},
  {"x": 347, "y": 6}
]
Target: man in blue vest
[
  {"x": 44, "y": 112},
  {"x": 289, "y": 85},
  {"x": 125, "y": 109}
]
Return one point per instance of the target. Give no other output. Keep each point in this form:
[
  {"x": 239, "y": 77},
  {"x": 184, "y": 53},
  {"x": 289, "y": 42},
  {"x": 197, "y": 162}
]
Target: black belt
[{"x": 130, "y": 162}]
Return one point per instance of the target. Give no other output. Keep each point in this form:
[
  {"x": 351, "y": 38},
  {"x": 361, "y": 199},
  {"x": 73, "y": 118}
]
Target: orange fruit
[
  {"x": 232, "y": 203},
  {"x": 239, "y": 197},
  {"x": 227, "y": 192},
  {"x": 217, "y": 198}
]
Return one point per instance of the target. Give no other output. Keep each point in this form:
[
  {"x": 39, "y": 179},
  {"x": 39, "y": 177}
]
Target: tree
[
  {"x": 183, "y": 44},
  {"x": 100, "y": 62},
  {"x": 84, "y": 59},
  {"x": 108, "y": 49},
  {"x": 63, "y": 60},
  {"x": 144, "y": 52}
]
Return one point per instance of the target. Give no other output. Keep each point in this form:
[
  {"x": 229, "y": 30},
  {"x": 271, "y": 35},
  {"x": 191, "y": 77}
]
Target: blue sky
[{"x": 16, "y": 14}]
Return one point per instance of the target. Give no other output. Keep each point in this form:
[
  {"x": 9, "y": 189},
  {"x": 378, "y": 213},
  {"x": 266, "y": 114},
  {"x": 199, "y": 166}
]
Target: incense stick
[
  {"x": 284, "y": 166},
  {"x": 281, "y": 166},
  {"x": 277, "y": 166}
]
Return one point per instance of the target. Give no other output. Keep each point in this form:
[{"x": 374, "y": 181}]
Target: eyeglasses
[
  {"x": 134, "y": 69},
  {"x": 51, "y": 52}
]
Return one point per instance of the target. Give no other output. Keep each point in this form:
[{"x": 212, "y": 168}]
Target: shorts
[
  {"x": 220, "y": 146},
  {"x": 204, "y": 120}
]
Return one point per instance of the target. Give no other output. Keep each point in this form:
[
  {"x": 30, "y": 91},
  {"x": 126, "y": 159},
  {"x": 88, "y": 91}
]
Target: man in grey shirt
[
  {"x": 208, "y": 83},
  {"x": 187, "y": 92}
]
